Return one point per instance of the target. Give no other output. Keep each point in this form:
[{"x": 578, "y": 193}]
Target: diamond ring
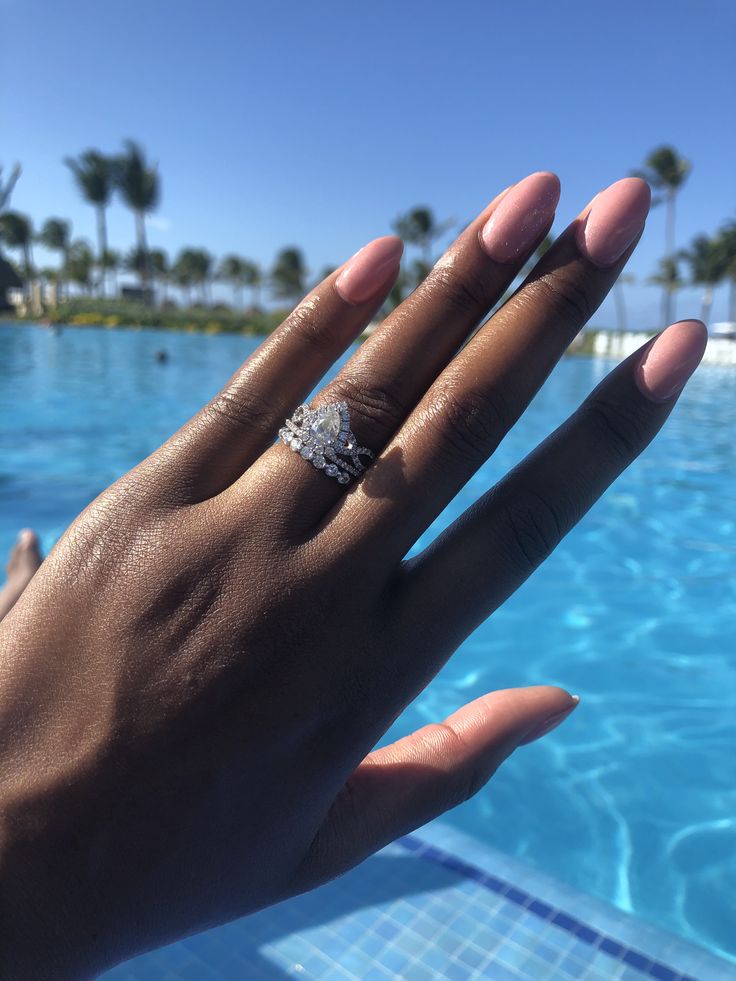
[{"x": 323, "y": 437}]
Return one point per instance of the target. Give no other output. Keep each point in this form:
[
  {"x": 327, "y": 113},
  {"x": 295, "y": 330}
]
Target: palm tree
[
  {"x": 6, "y": 187},
  {"x": 727, "y": 243},
  {"x": 182, "y": 275},
  {"x": 398, "y": 294},
  {"x": 193, "y": 267},
  {"x": 204, "y": 265},
  {"x": 111, "y": 262},
  {"x": 420, "y": 227},
  {"x": 140, "y": 188},
  {"x": 230, "y": 271},
  {"x": 708, "y": 265},
  {"x": 288, "y": 276},
  {"x": 135, "y": 261},
  {"x": 620, "y": 300},
  {"x": 160, "y": 269},
  {"x": 666, "y": 171},
  {"x": 668, "y": 277},
  {"x": 95, "y": 176},
  {"x": 16, "y": 231},
  {"x": 80, "y": 265},
  {"x": 56, "y": 236},
  {"x": 252, "y": 277}
]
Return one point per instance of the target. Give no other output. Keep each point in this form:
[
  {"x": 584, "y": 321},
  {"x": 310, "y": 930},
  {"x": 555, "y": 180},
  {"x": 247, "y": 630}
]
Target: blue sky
[{"x": 316, "y": 123}]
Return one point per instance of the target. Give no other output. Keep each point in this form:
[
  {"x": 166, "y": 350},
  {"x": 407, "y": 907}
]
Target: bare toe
[
  {"x": 25, "y": 557},
  {"x": 23, "y": 563}
]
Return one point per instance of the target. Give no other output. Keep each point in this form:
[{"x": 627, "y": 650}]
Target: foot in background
[{"x": 24, "y": 560}]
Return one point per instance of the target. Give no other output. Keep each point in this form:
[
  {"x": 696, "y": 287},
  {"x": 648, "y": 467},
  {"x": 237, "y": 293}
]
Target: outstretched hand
[{"x": 192, "y": 685}]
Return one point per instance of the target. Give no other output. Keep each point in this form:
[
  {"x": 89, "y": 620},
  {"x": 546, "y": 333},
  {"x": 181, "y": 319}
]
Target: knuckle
[
  {"x": 564, "y": 296},
  {"x": 246, "y": 409},
  {"x": 466, "y": 775},
  {"x": 310, "y": 326},
  {"x": 469, "y": 423},
  {"x": 462, "y": 295},
  {"x": 535, "y": 527},
  {"x": 371, "y": 406},
  {"x": 618, "y": 426}
]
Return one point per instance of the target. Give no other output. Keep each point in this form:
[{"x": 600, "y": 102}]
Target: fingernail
[
  {"x": 551, "y": 723},
  {"x": 615, "y": 218},
  {"x": 25, "y": 536},
  {"x": 370, "y": 270},
  {"x": 668, "y": 363},
  {"x": 521, "y": 217}
]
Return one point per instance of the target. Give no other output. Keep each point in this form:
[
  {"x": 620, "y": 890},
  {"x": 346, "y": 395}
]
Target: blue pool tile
[
  {"x": 565, "y": 921},
  {"x": 636, "y": 960},
  {"x": 455, "y": 972},
  {"x": 471, "y": 956},
  {"x": 585, "y": 933},
  {"x": 611, "y": 947},
  {"x": 516, "y": 896},
  {"x": 541, "y": 909},
  {"x": 662, "y": 973},
  {"x": 546, "y": 952},
  {"x": 493, "y": 883},
  {"x": 387, "y": 929}
]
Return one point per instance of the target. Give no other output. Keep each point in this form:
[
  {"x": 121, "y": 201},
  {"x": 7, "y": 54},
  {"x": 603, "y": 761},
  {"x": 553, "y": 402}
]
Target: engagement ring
[{"x": 323, "y": 437}]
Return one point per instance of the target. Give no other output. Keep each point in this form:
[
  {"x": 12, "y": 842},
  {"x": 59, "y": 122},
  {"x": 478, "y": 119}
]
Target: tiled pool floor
[{"x": 435, "y": 905}]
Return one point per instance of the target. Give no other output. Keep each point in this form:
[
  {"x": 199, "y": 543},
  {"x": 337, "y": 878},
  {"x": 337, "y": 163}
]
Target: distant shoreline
[{"x": 591, "y": 342}]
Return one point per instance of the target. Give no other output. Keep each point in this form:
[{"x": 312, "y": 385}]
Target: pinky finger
[
  {"x": 490, "y": 550},
  {"x": 402, "y": 786}
]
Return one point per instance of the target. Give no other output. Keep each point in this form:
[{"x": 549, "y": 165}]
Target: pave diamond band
[{"x": 323, "y": 437}]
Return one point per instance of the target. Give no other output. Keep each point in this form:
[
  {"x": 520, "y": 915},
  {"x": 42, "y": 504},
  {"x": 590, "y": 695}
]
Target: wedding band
[{"x": 323, "y": 437}]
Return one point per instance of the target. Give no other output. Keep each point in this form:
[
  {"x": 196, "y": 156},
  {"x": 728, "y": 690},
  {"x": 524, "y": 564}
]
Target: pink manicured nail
[
  {"x": 671, "y": 359},
  {"x": 616, "y": 217},
  {"x": 370, "y": 270},
  {"x": 521, "y": 216},
  {"x": 551, "y": 723}
]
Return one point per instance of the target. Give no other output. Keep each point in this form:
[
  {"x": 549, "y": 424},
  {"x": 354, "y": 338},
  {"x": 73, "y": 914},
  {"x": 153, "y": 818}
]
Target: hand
[{"x": 193, "y": 682}]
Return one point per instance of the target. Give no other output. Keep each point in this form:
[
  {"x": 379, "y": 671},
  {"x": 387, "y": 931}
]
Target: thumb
[{"x": 400, "y": 787}]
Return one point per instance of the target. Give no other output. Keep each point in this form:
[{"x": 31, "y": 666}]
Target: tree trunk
[
  {"x": 707, "y": 304},
  {"x": 732, "y": 300},
  {"x": 63, "y": 285},
  {"x": 669, "y": 232},
  {"x": 101, "y": 246},
  {"x": 618, "y": 295},
  {"x": 669, "y": 244},
  {"x": 145, "y": 273},
  {"x": 28, "y": 262}
]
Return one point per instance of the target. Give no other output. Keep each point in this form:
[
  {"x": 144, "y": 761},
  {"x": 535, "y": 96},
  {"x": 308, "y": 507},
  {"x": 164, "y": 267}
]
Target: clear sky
[{"x": 315, "y": 123}]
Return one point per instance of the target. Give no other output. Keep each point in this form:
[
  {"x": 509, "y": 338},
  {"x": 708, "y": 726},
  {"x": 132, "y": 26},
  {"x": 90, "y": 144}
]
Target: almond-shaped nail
[
  {"x": 522, "y": 215},
  {"x": 670, "y": 360},
  {"x": 370, "y": 271},
  {"x": 552, "y": 722},
  {"x": 615, "y": 218}
]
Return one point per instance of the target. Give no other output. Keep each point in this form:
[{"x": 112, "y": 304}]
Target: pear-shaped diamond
[{"x": 326, "y": 424}]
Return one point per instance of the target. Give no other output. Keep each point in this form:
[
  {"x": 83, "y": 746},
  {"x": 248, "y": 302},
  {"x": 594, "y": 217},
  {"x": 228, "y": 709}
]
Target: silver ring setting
[{"x": 322, "y": 436}]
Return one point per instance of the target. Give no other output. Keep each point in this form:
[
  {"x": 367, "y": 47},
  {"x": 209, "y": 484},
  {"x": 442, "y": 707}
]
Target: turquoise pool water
[{"x": 634, "y": 798}]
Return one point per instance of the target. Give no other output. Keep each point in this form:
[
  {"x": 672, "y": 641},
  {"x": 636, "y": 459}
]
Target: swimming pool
[{"x": 634, "y": 798}]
